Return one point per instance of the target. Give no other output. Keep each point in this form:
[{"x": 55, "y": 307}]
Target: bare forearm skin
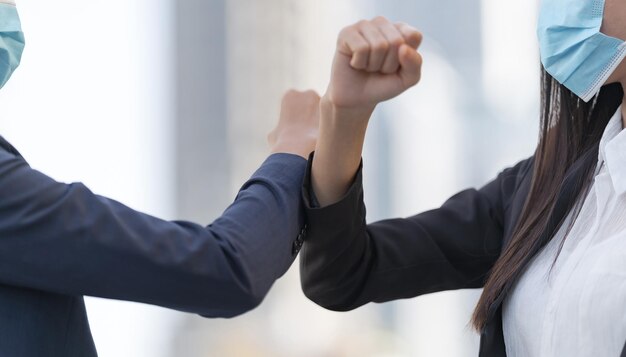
[{"x": 338, "y": 151}]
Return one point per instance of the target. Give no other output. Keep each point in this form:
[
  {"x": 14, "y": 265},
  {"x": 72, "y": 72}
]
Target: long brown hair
[{"x": 569, "y": 130}]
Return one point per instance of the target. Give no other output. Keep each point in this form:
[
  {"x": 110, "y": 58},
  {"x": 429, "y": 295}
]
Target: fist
[
  {"x": 298, "y": 125},
  {"x": 375, "y": 61}
]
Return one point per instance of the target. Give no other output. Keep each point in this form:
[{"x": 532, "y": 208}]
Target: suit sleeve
[
  {"x": 64, "y": 239},
  {"x": 346, "y": 263}
]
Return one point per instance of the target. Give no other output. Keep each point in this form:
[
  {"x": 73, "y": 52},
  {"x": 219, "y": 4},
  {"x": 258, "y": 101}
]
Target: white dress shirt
[{"x": 578, "y": 306}]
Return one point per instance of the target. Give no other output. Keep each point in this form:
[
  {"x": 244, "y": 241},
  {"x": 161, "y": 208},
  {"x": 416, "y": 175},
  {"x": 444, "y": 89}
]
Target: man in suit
[{"x": 60, "y": 241}]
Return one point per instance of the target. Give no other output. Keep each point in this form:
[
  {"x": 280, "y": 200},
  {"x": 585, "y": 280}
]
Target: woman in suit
[
  {"x": 59, "y": 242},
  {"x": 546, "y": 239}
]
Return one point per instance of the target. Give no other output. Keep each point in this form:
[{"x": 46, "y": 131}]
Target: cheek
[
  {"x": 618, "y": 75},
  {"x": 614, "y": 23}
]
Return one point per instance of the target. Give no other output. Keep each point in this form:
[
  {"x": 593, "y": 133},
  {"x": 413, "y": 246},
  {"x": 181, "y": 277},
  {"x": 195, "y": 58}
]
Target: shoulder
[
  {"x": 515, "y": 184},
  {"x": 512, "y": 177},
  {"x": 5, "y": 146},
  {"x": 508, "y": 183}
]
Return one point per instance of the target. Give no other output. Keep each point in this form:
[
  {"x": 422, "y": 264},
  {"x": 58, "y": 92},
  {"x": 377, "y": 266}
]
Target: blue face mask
[
  {"x": 11, "y": 40},
  {"x": 573, "y": 50}
]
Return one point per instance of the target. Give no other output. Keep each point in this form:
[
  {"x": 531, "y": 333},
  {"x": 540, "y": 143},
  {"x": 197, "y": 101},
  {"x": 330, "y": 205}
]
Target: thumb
[{"x": 410, "y": 66}]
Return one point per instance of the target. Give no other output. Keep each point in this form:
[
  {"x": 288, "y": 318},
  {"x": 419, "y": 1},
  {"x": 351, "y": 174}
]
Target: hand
[
  {"x": 375, "y": 61},
  {"x": 298, "y": 125}
]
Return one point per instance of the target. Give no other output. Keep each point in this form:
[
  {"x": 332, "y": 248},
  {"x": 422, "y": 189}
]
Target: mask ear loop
[{"x": 594, "y": 101}]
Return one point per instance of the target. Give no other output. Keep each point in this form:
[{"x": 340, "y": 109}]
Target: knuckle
[
  {"x": 380, "y": 20},
  {"x": 396, "y": 42},
  {"x": 311, "y": 94},
  {"x": 294, "y": 97},
  {"x": 404, "y": 27},
  {"x": 346, "y": 32},
  {"x": 361, "y": 23},
  {"x": 362, "y": 48},
  {"x": 358, "y": 64},
  {"x": 381, "y": 46},
  {"x": 290, "y": 94}
]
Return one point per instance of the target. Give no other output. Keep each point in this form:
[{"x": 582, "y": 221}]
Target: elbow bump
[
  {"x": 328, "y": 301},
  {"x": 237, "y": 305},
  {"x": 252, "y": 301},
  {"x": 251, "y": 296},
  {"x": 245, "y": 305}
]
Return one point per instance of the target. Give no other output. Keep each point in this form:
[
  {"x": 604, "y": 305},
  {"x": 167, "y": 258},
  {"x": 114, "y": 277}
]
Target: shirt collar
[{"x": 613, "y": 152}]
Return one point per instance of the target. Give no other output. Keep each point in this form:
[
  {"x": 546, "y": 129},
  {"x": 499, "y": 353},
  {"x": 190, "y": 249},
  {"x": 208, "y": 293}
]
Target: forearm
[
  {"x": 63, "y": 238},
  {"x": 368, "y": 69},
  {"x": 336, "y": 258},
  {"x": 346, "y": 263},
  {"x": 338, "y": 151}
]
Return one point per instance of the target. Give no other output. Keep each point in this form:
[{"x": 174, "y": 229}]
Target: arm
[
  {"x": 375, "y": 61},
  {"x": 346, "y": 263},
  {"x": 65, "y": 239}
]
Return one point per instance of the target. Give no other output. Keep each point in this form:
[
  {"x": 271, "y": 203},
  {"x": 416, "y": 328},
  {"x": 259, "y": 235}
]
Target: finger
[
  {"x": 290, "y": 96},
  {"x": 353, "y": 44},
  {"x": 313, "y": 97},
  {"x": 299, "y": 106},
  {"x": 412, "y": 37},
  {"x": 395, "y": 40},
  {"x": 410, "y": 66},
  {"x": 378, "y": 46},
  {"x": 311, "y": 102}
]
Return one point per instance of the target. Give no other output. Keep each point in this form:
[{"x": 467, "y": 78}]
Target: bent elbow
[
  {"x": 245, "y": 296},
  {"x": 252, "y": 290},
  {"x": 324, "y": 296},
  {"x": 245, "y": 303},
  {"x": 252, "y": 297}
]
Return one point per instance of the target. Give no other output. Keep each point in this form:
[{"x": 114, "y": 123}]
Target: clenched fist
[
  {"x": 298, "y": 126},
  {"x": 375, "y": 61}
]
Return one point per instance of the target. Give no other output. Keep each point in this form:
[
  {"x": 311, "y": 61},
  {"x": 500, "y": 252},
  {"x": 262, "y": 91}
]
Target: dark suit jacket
[
  {"x": 59, "y": 242},
  {"x": 346, "y": 263}
]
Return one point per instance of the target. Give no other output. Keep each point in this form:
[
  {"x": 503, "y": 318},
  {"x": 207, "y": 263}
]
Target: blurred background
[{"x": 165, "y": 105}]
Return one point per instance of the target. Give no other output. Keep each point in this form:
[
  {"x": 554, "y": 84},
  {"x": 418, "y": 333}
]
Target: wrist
[
  {"x": 341, "y": 124},
  {"x": 331, "y": 111},
  {"x": 302, "y": 148}
]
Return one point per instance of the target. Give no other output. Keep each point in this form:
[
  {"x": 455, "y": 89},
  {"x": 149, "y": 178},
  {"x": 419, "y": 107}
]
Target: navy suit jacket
[{"x": 59, "y": 242}]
